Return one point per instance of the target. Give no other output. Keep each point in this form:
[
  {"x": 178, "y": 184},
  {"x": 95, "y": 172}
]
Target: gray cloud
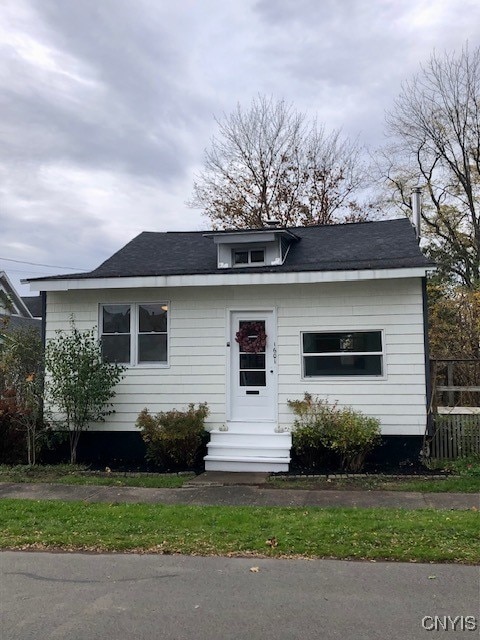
[{"x": 107, "y": 106}]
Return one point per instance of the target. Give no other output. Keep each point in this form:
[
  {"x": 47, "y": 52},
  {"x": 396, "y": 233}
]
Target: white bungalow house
[{"x": 246, "y": 320}]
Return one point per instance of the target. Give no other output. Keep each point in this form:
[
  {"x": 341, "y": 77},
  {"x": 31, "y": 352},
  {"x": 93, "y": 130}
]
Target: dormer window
[
  {"x": 252, "y": 247},
  {"x": 248, "y": 256}
]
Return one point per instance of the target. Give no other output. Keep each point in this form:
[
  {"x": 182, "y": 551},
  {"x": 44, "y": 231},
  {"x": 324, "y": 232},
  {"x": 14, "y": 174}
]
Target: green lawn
[
  {"x": 375, "y": 534},
  {"x": 69, "y": 474}
]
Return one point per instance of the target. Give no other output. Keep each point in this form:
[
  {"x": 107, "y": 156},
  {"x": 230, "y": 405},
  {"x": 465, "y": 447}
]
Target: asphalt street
[{"x": 48, "y": 596}]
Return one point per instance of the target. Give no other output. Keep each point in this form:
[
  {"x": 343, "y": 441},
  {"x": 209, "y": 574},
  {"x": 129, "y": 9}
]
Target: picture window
[{"x": 342, "y": 353}]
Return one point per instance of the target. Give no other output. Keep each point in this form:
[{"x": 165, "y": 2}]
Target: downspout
[
  {"x": 43, "y": 296},
  {"x": 417, "y": 217},
  {"x": 43, "y": 334},
  {"x": 428, "y": 377}
]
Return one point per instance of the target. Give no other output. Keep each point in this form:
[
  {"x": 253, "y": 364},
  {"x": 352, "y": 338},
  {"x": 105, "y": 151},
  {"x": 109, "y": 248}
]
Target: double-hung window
[
  {"x": 116, "y": 321},
  {"x": 342, "y": 353},
  {"x": 135, "y": 333}
]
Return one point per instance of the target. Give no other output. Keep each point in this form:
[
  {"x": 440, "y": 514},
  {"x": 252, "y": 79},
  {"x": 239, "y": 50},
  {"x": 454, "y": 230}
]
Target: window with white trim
[
  {"x": 243, "y": 257},
  {"x": 135, "y": 333},
  {"x": 342, "y": 353}
]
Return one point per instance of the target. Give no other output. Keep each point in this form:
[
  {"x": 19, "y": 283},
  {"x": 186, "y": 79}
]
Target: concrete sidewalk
[{"x": 215, "y": 493}]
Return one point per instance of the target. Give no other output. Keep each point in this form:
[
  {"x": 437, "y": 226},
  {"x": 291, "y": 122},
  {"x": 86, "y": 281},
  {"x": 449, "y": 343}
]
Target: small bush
[
  {"x": 174, "y": 438},
  {"x": 21, "y": 372},
  {"x": 349, "y": 434},
  {"x": 308, "y": 445},
  {"x": 352, "y": 437},
  {"x": 12, "y": 438},
  {"x": 80, "y": 383}
]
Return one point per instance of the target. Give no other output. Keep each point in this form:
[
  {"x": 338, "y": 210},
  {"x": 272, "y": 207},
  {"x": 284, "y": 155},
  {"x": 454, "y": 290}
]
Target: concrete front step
[
  {"x": 248, "y": 450},
  {"x": 249, "y": 463},
  {"x": 248, "y": 447},
  {"x": 247, "y": 438},
  {"x": 250, "y": 427}
]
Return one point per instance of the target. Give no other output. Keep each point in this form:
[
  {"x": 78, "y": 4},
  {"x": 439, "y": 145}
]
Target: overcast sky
[{"x": 108, "y": 105}]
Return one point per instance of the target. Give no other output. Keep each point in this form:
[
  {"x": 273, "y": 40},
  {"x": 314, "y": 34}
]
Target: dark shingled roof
[
  {"x": 389, "y": 244},
  {"x": 18, "y": 322},
  {"x": 34, "y": 305}
]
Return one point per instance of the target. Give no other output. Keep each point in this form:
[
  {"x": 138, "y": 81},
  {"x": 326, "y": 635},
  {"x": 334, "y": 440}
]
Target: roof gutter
[{"x": 226, "y": 279}]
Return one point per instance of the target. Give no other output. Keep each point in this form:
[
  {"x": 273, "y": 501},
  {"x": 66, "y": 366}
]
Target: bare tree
[
  {"x": 270, "y": 162},
  {"x": 435, "y": 126}
]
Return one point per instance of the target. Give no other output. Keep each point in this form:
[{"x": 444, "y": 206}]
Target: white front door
[{"x": 253, "y": 375}]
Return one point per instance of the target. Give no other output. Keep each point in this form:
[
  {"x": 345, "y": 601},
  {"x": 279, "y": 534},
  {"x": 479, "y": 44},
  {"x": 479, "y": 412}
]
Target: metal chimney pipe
[
  {"x": 272, "y": 224},
  {"x": 417, "y": 210}
]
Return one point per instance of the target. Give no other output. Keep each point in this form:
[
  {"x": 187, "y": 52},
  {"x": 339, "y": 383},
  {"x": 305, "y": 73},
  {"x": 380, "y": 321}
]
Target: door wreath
[{"x": 252, "y": 337}]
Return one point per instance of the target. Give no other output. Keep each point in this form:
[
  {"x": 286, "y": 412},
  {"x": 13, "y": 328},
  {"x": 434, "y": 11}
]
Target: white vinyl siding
[{"x": 198, "y": 325}]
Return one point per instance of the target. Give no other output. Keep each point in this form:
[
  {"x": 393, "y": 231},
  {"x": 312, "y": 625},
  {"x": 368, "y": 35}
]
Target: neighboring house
[
  {"x": 14, "y": 312},
  {"x": 338, "y": 311},
  {"x": 34, "y": 305}
]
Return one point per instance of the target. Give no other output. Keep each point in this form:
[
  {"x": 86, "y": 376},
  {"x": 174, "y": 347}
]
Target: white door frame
[{"x": 251, "y": 310}]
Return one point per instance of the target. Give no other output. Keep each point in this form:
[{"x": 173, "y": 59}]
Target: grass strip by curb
[
  {"x": 374, "y": 534},
  {"x": 66, "y": 474},
  {"x": 457, "y": 484},
  {"x": 82, "y": 475}
]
